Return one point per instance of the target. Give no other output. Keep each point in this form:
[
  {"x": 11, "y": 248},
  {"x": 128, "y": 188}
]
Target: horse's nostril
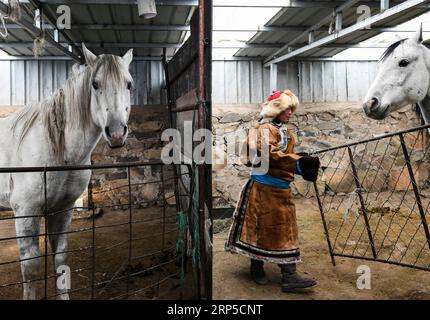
[
  {"x": 373, "y": 103},
  {"x": 125, "y": 130},
  {"x": 107, "y": 132}
]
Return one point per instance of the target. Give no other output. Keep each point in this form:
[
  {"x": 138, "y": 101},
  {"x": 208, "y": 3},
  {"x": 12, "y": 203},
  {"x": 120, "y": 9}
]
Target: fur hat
[{"x": 279, "y": 102}]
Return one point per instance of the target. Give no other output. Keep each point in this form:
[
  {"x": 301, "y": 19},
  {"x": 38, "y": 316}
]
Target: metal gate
[
  {"x": 135, "y": 250},
  {"x": 374, "y": 198}
]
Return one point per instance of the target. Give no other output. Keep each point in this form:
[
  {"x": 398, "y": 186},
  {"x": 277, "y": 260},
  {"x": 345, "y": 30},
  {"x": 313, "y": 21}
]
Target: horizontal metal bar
[
  {"x": 37, "y": 32},
  {"x": 97, "y": 45},
  {"x": 318, "y": 25},
  {"x": 248, "y": 46},
  {"x": 131, "y": 27},
  {"x": 389, "y": 135},
  {"x": 63, "y": 58},
  {"x": 50, "y": 16},
  {"x": 381, "y": 260},
  {"x": 186, "y": 3},
  {"x": 347, "y": 31},
  {"x": 126, "y": 27},
  {"x": 217, "y": 3},
  {"x": 289, "y": 4},
  {"x": 82, "y": 167}
]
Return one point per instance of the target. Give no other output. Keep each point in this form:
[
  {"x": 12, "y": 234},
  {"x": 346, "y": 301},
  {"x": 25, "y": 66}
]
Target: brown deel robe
[{"x": 264, "y": 222}]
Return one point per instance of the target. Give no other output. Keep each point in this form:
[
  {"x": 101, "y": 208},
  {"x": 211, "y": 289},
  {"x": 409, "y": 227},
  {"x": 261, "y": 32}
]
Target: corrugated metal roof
[
  {"x": 307, "y": 17},
  {"x": 112, "y": 15}
]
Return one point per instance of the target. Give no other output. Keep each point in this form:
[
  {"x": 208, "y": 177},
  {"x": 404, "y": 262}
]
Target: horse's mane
[
  {"x": 68, "y": 106},
  {"x": 391, "y": 49}
]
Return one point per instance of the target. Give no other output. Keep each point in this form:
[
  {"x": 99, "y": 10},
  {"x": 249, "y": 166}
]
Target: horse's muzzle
[
  {"x": 373, "y": 109},
  {"x": 116, "y": 135}
]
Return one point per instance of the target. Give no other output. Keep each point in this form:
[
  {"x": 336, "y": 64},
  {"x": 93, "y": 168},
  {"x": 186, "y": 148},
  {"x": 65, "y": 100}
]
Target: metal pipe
[
  {"x": 415, "y": 187},
  {"x": 326, "y": 231},
  {"x": 37, "y": 32},
  {"x": 201, "y": 167},
  {"x": 360, "y": 197},
  {"x": 371, "y": 139}
]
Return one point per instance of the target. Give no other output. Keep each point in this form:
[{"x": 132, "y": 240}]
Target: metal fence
[
  {"x": 137, "y": 249},
  {"x": 374, "y": 198}
]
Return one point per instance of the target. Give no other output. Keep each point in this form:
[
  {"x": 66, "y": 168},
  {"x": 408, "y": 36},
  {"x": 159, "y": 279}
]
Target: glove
[{"x": 308, "y": 168}]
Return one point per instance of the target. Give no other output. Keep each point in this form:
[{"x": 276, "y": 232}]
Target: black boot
[
  {"x": 291, "y": 280},
  {"x": 257, "y": 272}
]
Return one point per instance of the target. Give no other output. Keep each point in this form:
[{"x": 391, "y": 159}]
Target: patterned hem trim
[{"x": 286, "y": 260}]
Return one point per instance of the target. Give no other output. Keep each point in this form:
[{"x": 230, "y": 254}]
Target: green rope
[
  {"x": 181, "y": 220},
  {"x": 195, "y": 213}
]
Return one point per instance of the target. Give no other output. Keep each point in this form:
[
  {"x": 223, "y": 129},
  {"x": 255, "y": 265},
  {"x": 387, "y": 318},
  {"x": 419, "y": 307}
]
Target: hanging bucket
[{"x": 147, "y": 8}]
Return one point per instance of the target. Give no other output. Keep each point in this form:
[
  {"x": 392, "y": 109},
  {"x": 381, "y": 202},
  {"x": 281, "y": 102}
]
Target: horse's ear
[
  {"x": 90, "y": 57},
  {"x": 418, "y": 37},
  {"x": 128, "y": 57}
]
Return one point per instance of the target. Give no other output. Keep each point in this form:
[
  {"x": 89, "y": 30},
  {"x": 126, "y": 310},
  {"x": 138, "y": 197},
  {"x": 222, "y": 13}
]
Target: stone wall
[
  {"x": 110, "y": 186},
  {"x": 321, "y": 126}
]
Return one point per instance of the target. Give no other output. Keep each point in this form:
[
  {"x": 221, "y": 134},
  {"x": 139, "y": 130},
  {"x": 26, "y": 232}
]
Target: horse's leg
[
  {"x": 58, "y": 224},
  {"x": 29, "y": 250}
]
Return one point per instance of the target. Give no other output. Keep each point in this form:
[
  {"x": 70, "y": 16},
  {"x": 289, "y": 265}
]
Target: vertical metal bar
[
  {"x": 311, "y": 36},
  {"x": 163, "y": 190},
  {"x": 46, "y": 233},
  {"x": 273, "y": 77},
  {"x": 415, "y": 187},
  {"x": 171, "y": 124},
  {"x": 93, "y": 240},
  {"x": 201, "y": 167},
  {"x": 327, "y": 235},
  {"x": 363, "y": 207},
  {"x": 130, "y": 230},
  {"x": 163, "y": 238},
  {"x": 338, "y": 23},
  {"x": 385, "y": 5}
]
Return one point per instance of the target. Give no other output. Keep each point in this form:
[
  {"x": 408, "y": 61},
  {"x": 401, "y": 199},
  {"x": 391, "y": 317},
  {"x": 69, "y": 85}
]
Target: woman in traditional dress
[{"x": 265, "y": 226}]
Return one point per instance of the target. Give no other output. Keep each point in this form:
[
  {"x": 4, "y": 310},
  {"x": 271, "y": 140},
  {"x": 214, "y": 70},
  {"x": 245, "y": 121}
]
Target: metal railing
[
  {"x": 124, "y": 256},
  {"x": 374, "y": 197}
]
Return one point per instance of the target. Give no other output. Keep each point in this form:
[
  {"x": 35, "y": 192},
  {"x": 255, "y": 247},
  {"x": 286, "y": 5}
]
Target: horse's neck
[
  {"x": 80, "y": 142},
  {"x": 424, "y": 105}
]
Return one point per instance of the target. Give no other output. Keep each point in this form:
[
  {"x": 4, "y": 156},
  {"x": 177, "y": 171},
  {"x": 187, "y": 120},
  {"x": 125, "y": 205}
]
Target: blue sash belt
[{"x": 271, "y": 181}]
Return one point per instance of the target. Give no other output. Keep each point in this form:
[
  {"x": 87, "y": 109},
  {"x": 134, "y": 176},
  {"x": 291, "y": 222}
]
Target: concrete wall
[
  {"x": 23, "y": 81},
  {"x": 244, "y": 82}
]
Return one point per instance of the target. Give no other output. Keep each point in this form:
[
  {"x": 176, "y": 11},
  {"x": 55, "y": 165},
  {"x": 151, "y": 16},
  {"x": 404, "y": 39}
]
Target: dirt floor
[
  {"x": 232, "y": 281},
  {"x": 155, "y": 269}
]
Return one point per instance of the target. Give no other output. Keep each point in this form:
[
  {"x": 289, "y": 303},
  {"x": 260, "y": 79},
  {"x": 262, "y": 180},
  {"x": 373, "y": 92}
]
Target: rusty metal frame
[
  {"x": 91, "y": 207},
  {"x": 421, "y": 210}
]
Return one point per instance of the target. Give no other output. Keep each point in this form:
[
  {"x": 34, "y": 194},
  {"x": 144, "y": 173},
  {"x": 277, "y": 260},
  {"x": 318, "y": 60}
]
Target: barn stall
[
  {"x": 370, "y": 203},
  {"x": 140, "y": 231}
]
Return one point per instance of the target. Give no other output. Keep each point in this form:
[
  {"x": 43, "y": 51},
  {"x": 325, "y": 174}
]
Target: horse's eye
[
  {"x": 403, "y": 63},
  {"x": 95, "y": 85},
  {"x": 129, "y": 85}
]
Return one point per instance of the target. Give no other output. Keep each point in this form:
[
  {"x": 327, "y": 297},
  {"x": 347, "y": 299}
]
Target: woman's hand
[{"x": 309, "y": 167}]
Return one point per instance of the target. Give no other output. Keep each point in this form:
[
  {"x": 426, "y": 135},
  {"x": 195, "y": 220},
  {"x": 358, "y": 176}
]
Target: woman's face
[{"x": 285, "y": 116}]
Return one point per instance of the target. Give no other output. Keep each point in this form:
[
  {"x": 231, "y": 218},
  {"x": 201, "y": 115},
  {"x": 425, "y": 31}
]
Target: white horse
[
  {"x": 62, "y": 130},
  {"x": 403, "y": 78}
]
